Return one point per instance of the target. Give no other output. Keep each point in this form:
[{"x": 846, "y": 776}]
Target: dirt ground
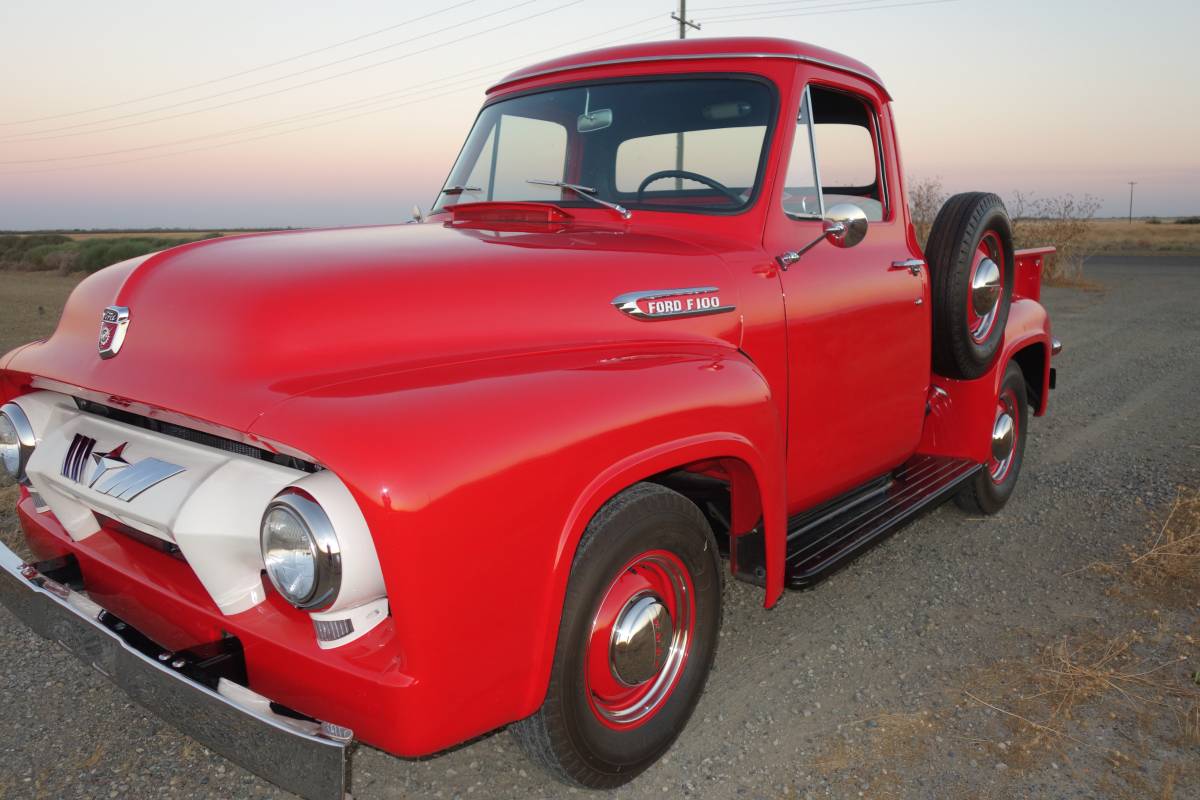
[{"x": 1052, "y": 651}]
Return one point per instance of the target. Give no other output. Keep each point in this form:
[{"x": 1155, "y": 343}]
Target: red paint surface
[{"x": 473, "y": 385}]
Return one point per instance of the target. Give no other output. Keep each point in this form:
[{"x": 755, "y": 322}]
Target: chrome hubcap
[
  {"x": 985, "y": 288},
  {"x": 641, "y": 640},
  {"x": 1002, "y": 437}
]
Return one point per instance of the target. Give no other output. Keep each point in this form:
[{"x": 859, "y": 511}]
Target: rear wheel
[
  {"x": 992, "y": 486},
  {"x": 636, "y": 640}
]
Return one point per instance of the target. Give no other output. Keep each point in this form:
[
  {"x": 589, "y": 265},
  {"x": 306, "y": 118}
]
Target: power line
[
  {"x": 770, "y": 16},
  {"x": 444, "y": 82},
  {"x": 297, "y": 73},
  {"x": 752, "y": 5},
  {"x": 301, "y": 128},
  {"x": 248, "y": 71}
]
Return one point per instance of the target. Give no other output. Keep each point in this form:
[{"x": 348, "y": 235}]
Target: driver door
[{"x": 858, "y": 327}]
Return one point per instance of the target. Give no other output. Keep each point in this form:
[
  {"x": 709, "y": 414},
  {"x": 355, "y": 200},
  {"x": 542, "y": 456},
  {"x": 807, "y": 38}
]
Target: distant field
[
  {"x": 196, "y": 234},
  {"x": 1119, "y": 237},
  {"x": 1115, "y": 237}
]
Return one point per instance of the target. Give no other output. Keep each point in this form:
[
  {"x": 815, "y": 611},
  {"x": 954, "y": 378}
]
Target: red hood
[{"x": 224, "y": 329}]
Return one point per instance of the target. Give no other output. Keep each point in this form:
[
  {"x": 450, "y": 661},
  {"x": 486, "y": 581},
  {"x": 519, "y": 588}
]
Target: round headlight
[
  {"x": 16, "y": 440},
  {"x": 300, "y": 551}
]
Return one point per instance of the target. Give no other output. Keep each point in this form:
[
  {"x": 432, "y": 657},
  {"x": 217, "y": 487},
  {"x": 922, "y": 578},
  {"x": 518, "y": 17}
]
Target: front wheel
[
  {"x": 636, "y": 641},
  {"x": 991, "y": 487}
]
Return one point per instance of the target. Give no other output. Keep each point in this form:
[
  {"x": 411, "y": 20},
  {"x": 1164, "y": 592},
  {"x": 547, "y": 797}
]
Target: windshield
[{"x": 669, "y": 145}]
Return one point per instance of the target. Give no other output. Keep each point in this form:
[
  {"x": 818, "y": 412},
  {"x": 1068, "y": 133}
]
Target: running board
[{"x": 826, "y": 537}]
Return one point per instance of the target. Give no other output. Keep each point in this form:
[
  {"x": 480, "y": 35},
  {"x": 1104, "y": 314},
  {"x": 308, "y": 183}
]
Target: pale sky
[{"x": 1044, "y": 96}]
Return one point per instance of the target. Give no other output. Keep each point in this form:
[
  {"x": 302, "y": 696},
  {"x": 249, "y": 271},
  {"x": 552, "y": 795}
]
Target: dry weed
[{"x": 1166, "y": 568}]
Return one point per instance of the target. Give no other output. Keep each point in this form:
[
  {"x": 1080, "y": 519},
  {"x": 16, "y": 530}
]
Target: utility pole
[
  {"x": 684, "y": 24},
  {"x": 1131, "y": 185}
]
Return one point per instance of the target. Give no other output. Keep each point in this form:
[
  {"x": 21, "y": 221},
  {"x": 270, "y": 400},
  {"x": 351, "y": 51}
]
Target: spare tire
[{"x": 970, "y": 257}]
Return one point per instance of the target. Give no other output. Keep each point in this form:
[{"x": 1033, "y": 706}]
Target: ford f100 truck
[{"x": 666, "y": 320}]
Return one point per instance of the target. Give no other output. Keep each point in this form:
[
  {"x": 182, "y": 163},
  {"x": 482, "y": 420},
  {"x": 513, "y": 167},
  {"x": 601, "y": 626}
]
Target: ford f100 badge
[
  {"x": 672, "y": 303},
  {"x": 113, "y": 323}
]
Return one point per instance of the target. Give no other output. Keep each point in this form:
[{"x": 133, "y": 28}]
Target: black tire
[
  {"x": 566, "y": 736},
  {"x": 983, "y": 494},
  {"x": 960, "y": 227}
]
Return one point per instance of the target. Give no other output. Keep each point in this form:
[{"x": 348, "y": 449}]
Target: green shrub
[
  {"x": 56, "y": 252},
  {"x": 15, "y": 248},
  {"x": 1188, "y": 221},
  {"x": 35, "y": 258}
]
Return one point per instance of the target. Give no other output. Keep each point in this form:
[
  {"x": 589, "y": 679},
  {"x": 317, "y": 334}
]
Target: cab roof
[{"x": 689, "y": 49}]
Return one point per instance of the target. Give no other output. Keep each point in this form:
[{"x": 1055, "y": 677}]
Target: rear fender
[
  {"x": 478, "y": 480},
  {"x": 960, "y": 413}
]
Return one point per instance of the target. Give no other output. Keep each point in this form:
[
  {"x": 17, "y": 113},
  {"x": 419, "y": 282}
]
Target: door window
[
  {"x": 801, "y": 188},
  {"x": 835, "y": 157}
]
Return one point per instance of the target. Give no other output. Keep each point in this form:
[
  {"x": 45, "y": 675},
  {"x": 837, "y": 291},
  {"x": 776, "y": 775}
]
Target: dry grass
[
  {"x": 1166, "y": 568},
  {"x": 1120, "y": 237},
  {"x": 1145, "y": 680}
]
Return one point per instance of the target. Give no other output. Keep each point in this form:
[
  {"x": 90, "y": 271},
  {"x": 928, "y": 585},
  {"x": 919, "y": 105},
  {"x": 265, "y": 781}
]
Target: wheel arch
[{"x": 1033, "y": 357}]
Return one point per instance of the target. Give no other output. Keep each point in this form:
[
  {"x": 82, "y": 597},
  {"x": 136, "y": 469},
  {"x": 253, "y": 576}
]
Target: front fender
[{"x": 478, "y": 480}]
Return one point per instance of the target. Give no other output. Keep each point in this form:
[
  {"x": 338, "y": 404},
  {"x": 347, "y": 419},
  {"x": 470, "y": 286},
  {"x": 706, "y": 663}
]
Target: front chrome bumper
[{"x": 297, "y": 755}]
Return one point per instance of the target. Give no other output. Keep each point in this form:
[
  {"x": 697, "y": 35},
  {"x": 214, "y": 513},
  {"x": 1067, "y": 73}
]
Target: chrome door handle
[{"x": 913, "y": 265}]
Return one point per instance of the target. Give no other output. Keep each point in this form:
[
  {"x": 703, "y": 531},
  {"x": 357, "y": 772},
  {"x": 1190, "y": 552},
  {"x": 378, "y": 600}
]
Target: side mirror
[
  {"x": 845, "y": 225},
  {"x": 417, "y": 215}
]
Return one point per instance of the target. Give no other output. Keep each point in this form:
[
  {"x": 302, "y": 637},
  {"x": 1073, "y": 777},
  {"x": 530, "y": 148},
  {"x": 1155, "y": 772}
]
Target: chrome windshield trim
[{"x": 688, "y": 57}]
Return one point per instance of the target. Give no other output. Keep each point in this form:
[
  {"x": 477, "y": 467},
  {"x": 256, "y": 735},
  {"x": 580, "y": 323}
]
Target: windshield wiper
[
  {"x": 583, "y": 191},
  {"x": 460, "y": 189}
]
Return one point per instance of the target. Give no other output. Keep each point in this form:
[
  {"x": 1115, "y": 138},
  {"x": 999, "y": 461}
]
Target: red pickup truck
[{"x": 409, "y": 484}]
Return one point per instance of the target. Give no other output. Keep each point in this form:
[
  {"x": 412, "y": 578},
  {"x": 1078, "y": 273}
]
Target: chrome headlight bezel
[
  {"x": 323, "y": 545},
  {"x": 15, "y": 455}
]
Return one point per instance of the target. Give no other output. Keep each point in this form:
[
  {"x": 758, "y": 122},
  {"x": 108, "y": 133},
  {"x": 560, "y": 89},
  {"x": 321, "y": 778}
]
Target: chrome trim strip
[
  {"x": 688, "y": 57},
  {"x": 233, "y": 721},
  {"x": 141, "y": 476},
  {"x": 76, "y": 458},
  {"x": 628, "y": 303}
]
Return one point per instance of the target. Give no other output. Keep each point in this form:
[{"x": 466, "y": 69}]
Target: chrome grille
[{"x": 195, "y": 436}]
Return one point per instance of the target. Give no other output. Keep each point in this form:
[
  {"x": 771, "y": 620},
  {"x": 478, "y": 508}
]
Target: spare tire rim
[
  {"x": 987, "y": 287},
  {"x": 640, "y": 639},
  {"x": 1005, "y": 433}
]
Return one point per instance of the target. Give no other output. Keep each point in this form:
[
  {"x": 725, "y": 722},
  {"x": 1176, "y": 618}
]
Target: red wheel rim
[
  {"x": 986, "y": 287},
  {"x": 628, "y": 679},
  {"x": 1006, "y": 432}
]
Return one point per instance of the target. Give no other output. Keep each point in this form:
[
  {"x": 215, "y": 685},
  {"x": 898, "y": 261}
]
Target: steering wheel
[{"x": 691, "y": 176}]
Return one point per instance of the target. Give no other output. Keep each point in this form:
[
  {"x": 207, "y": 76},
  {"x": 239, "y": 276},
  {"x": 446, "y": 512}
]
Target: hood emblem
[
  {"x": 113, "y": 474},
  {"x": 672, "y": 303},
  {"x": 113, "y": 323}
]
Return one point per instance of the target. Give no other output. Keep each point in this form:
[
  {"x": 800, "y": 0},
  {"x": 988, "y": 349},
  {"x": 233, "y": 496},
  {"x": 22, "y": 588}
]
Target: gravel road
[{"x": 873, "y": 684}]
